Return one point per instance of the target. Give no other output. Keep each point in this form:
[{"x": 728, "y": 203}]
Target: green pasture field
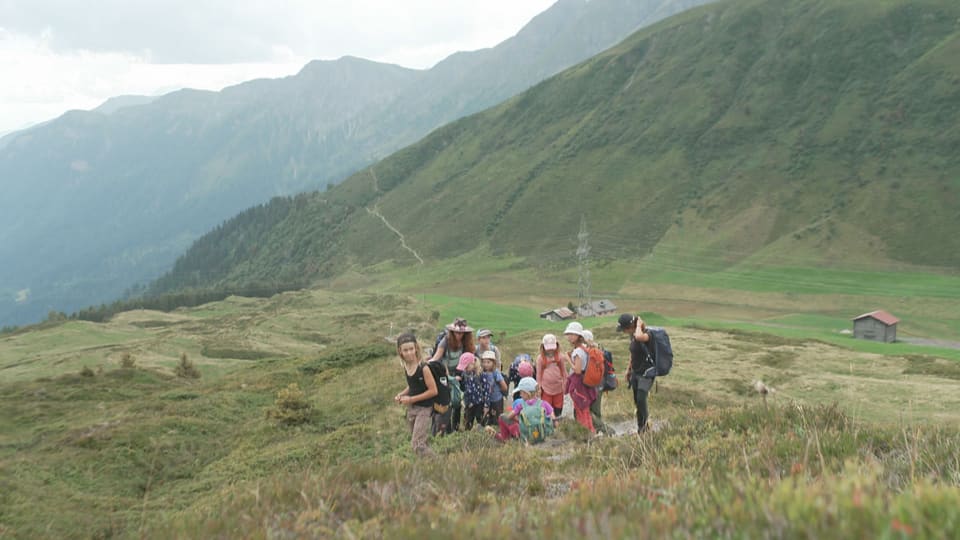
[{"x": 140, "y": 452}]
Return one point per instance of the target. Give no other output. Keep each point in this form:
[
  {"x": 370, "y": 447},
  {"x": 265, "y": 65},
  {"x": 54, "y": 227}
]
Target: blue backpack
[{"x": 661, "y": 350}]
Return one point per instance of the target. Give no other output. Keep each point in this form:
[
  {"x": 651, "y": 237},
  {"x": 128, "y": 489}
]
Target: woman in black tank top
[{"x": 419, "y": 394}]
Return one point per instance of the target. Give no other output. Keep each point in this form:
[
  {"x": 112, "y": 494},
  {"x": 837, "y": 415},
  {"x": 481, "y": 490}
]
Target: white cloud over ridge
[{"x": 59, "y": 54}]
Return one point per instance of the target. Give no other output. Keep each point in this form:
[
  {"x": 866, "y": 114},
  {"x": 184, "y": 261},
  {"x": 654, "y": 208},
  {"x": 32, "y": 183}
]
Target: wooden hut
[{"x": 876, "y": 326}]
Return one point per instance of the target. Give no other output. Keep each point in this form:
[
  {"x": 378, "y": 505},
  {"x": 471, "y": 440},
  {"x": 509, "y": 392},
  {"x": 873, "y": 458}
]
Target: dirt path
[{"x": 932, "y": 342}]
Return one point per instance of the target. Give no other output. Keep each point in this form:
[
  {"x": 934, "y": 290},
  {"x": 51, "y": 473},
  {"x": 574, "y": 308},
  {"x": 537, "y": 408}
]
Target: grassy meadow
[{"x": 858, "y": 440}]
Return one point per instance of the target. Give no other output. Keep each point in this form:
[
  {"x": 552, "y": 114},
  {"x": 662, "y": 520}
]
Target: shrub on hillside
[
  {"x": 127, "y": 361},
  {"x": 348, "y": 357},
  {"x": 86, "y": 372},
  {"x": 186, "y": 369},
  {"x": 291, "y": 407}
]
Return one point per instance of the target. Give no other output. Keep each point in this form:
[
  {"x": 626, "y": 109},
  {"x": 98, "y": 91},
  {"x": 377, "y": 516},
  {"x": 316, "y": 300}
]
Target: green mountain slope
[
  {"x": 749, "y": 131},
  {"x": 97, "y": 201}
]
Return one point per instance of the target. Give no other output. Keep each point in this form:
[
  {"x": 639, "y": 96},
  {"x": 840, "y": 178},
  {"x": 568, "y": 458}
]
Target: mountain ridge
[
  {"x": 97, "y": 203},
  {"x": 743, "y": 131}
]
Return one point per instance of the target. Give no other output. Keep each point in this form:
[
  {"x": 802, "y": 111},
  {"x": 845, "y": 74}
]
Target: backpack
[
  {"x": 442, "y": 402},
  {"x": 514, "y": 372},
  {"x": 534, "y": 424},
  {"x": 456, "y": 393},
  {"x": 593, "y": 374},
  {"x": 609, "y": 373},
  {"x": 440, "y": 336},
  {"x": 662, "y": 350}
]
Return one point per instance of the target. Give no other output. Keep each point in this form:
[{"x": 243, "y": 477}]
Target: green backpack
[
  {"x": 456, "y": 394},
  {"x": 534, "y": 424}
]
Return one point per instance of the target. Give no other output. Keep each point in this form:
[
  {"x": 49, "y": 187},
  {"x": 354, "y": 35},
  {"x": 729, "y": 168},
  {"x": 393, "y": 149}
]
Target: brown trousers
[{"x": 420, "y": 419}]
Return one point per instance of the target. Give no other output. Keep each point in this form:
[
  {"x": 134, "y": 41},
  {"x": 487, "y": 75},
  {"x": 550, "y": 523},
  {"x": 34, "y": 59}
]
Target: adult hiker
[
  {"x": 641, "y": 373},
  {"x": 582, "y": 395},
  {"x": 419, "y": 394},
  {"x": 551, "y": 373},
  {"x": 457, "y": 340}
]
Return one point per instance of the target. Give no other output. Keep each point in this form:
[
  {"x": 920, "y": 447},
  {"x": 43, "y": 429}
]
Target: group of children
[{"x": 475, "y": 372}]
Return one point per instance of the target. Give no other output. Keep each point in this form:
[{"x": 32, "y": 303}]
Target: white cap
[
  {"x": 574, "y": 328},
  {"x": 527, "y": 384},
  {"x": 587, "y": 335}
]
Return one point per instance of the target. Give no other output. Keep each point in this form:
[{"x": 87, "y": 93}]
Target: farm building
[
  {"x": 598, "y": 308},
  {"x": 877, "y": 326},
  {"x": 559, "y": 314}
]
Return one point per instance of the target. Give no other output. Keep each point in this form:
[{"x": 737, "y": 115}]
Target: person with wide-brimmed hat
[{"x": 458, "y": 340}]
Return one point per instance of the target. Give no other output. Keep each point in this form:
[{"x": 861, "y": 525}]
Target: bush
[
  {"x": 291, "y": 407},
  {"x": 86, "y": 372},
  {"x": 186, "y": 369},
  {"x": 127, "y": 361},
  {"x": 348, "y": 357}
]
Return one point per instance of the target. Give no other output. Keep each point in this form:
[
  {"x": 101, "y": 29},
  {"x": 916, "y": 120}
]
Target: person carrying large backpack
[
  {"x": 456, "y": 339},
  {"x": 642, "y": 371}
]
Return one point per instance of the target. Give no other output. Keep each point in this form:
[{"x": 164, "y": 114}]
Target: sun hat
[
  {"x": 624, "y": 322},
  {"x": 484, "y": 332},
  {"x": 574, "y": 328},
  {"x": 466, "y": 359},
  {"x": 491, "y": 355},
  {"x": 549, "y": 342},
  {"x": 459, "y": 325},
  {"x": 525, "y": 369},
  {"x": 527, "y": 384},
  {"x": 588, "y": 335}
]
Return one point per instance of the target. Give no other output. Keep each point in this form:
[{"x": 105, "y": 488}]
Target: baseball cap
[
  {"x": 624, "y": 322},
  {"x": 549, "y": 342}
]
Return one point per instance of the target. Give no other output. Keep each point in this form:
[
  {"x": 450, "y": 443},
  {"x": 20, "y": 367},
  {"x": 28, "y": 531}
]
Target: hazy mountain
[
  {"x": 116, "y": 103},
  {"x": 796, "y": 133},
  {"x": 99, "y": 200}
]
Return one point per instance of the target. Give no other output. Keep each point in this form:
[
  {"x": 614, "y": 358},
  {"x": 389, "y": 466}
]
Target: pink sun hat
[{"x": 466, "y": 359}]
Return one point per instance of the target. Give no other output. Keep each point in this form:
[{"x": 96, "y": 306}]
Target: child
[
  {"x": 520, "y": 362},
  {"x": 552, "y": 373},
  {"x": 582, "y": 395},
  {"x": 596, "y": 408},
  {"x": 531, "y": 419},
  {"x": 485, "y": 343},
  {"x": 475, "y": 394},
  {"x": 419, "y": 394},
  {"x": 496, "y": 387}
]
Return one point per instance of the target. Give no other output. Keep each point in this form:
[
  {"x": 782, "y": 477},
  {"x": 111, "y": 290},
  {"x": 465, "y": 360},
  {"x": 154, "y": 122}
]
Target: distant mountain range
[
  {"x": 748, "y": 132},
  {"x": 97, "y": 201}
]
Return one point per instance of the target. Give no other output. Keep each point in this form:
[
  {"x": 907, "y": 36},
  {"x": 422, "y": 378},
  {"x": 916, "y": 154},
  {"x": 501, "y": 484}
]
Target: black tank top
[{"x": 418, "y": 386}]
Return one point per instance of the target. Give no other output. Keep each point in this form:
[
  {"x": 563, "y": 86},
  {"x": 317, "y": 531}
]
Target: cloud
[
  {"x": 41, "y": 83},
  {"x": 57, "y": 55},
  {"x": 227, "y": 31}
]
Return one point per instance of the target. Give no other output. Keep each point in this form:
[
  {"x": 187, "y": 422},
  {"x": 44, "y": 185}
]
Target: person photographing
[{"x": 641, "y": 373}]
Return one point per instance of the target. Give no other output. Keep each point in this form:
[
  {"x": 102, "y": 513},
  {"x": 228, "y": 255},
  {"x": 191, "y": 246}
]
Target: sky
[{"x": 57, "y": 55}]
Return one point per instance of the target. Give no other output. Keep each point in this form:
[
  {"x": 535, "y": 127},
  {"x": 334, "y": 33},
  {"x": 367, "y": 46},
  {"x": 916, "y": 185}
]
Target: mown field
[{"x": 859, "y": 440}]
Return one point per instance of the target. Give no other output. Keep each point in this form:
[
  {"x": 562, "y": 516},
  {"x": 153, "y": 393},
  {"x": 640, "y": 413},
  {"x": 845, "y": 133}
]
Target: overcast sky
[{"x": 57, "y": 55}]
